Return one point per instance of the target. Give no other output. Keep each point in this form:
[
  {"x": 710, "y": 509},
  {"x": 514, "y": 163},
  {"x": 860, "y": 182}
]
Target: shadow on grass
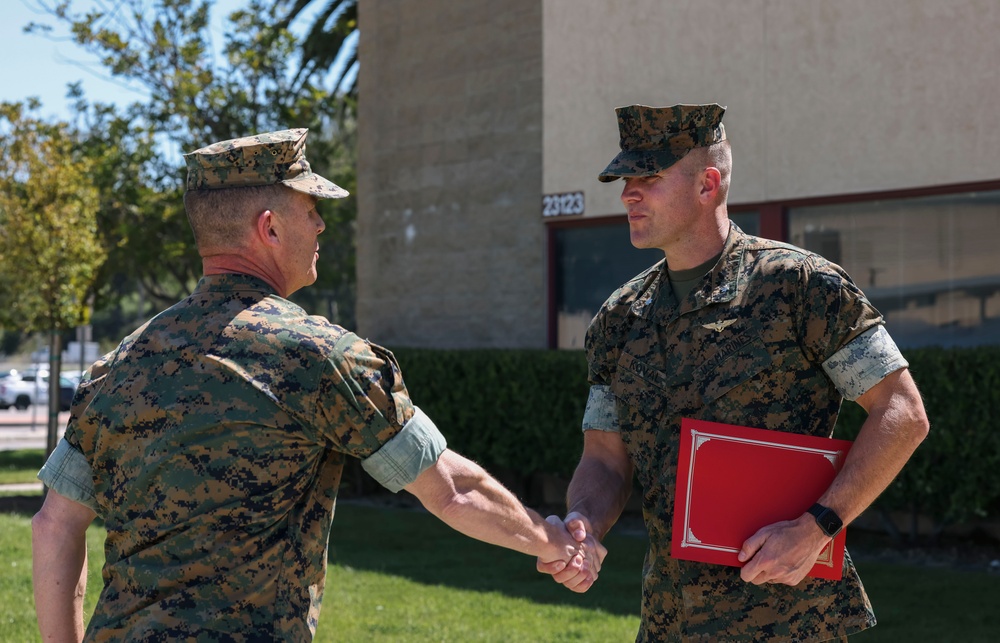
[
  {"x": 410, "y": 543},
  {"x": 24, "y": 505},
  {"x": 416, "y": 545},
  {"x": 413, "y": 544},
  {"x": 914, "y": 600},
  {"x": 31, "y": 459}
]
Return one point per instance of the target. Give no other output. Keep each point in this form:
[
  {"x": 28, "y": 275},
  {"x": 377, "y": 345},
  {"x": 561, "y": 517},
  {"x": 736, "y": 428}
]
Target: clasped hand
[
  {"x": 581, "y": 571},
  {"x": 782, "y": 553}
]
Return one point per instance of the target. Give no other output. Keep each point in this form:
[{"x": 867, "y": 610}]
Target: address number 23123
[{"x": 567, "y": 203}]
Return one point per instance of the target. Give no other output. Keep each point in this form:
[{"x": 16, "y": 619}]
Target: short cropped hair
[
  {"x": 720, "y": 156},
  {"x": 223, "y": 218}
]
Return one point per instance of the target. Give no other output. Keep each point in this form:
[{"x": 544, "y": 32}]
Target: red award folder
[{"x": 733, "y": 480}]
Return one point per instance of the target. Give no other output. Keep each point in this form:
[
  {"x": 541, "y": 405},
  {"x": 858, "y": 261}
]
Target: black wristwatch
[{"x": 827, "y": 519}]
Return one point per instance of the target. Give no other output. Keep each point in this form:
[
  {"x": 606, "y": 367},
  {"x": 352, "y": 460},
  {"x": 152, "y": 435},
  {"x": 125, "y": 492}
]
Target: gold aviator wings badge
[{"x": 719, "y": 325}]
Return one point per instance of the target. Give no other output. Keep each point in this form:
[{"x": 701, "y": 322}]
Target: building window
[
  {"x": 748, "y": 222},
  {"x": 928, "y": 264},
  {"x": 591, "y": 261}
]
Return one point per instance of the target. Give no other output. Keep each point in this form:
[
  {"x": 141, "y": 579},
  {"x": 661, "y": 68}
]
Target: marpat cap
[
  {"x": 264, "y": 159},
  {"x": 654, "y": 138}
]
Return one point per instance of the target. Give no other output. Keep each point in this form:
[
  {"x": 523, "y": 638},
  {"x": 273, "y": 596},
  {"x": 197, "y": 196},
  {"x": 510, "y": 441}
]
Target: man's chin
[{"x": 640, "y": 241}]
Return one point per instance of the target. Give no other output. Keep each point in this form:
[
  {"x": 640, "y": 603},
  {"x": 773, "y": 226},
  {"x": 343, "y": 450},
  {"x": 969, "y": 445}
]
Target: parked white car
[{"x": 22, "y": 389}]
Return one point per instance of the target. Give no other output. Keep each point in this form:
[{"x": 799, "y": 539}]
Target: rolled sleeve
[
  {"x": 416, "y": 447},
  {"x": 68, "y": 473},
  {"x": 864, "y": 362},
  {"x": 601, "y": 413}
]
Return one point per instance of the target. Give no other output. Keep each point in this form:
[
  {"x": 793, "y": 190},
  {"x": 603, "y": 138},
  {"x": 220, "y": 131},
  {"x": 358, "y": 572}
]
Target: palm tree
[{"x": 331, "y": 38}]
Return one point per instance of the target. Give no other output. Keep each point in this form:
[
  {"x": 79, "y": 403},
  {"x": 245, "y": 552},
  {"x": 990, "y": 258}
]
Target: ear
[
  {"x": 711, "y": 179},
  {"x": 267, "y": 229}
]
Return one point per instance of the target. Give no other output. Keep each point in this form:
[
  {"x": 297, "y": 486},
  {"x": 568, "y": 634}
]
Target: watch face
[{"x": 827, "y": 519}]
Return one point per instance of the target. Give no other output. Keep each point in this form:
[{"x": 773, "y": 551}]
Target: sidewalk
[
  {"x": 21, "y": 488},
  {"x": 18, "y": 432}
]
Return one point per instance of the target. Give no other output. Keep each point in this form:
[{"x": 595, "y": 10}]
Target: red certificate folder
[{"x": 733, "y": 480}]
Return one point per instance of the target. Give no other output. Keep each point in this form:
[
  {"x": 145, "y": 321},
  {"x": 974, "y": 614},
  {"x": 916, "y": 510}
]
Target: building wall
[
  {"x": 471, "y": 111},
  {"x": 450, "y": 252},
  {"x": 823, "y": 97}
]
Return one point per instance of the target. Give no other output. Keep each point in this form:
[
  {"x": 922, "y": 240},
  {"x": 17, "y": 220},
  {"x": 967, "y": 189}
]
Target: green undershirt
[{"x": 684, "y": 281}]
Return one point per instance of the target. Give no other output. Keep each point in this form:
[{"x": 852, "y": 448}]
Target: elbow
[
  {"x": 921, "y": 426},
  {"x": 42, "y": 526},
  {"x": 904, "y": 409},
  {"x": 44, "y": 537},
  {"x": 915, "y": 421},
  {"x": 48, "y": 533},
  {"x": 60, "y": 522}
]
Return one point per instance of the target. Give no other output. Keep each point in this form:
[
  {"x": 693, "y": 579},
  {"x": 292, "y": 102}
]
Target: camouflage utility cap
[
  {"x": 654, "y": 138},
  {"x": 264, "y": 159}
]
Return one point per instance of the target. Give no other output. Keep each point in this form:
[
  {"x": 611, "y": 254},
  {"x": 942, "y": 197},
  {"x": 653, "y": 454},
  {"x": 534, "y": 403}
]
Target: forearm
[
  {"x": 465, "y": 497},
  {"x": 785, "y": 551},
  {"x": 894, "y": 429},
  {"x": 598, "y": 492},
  {"x": 59, "y": 576},
  {"x": 881, "y": 449}
]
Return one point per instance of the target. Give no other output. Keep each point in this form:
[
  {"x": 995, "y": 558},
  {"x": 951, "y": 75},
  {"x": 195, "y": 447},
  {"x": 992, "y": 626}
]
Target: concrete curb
[{"x": 21, "y": 487}]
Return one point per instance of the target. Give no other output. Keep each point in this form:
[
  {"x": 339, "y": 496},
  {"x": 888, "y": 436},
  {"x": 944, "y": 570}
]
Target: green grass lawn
[
  {"x": 17, "y": 604},
  {"x": 931, "y": 604},
  {"x": 425, "y": 582},
  {"x": 398, "y": 575}
]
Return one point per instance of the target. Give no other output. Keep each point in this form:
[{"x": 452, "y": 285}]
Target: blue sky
[{"x": 34, "y": 65}]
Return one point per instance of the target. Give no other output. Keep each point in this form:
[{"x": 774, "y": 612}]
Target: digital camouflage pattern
[
  {"x": 745, "y": 347},
  {"x": 264, "y": 159},
  {"x": 218, "y": 490},
  {"x": 852, "y": 366},
  {"x": 654, "y": 138}
]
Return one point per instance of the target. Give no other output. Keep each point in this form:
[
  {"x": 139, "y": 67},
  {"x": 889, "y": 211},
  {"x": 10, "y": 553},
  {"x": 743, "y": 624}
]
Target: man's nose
[{"x": 630, "y": 193}]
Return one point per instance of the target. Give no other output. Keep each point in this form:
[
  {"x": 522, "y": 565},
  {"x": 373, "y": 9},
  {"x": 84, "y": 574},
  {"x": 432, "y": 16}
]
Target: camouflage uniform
[
  {"x": 218, "y": 489},
  {"x": 773, "y": 337},
  {"x": 212, "y": 443}
]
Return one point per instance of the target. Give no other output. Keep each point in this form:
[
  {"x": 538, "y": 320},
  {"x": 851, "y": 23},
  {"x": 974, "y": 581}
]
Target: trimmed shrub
[
  {"x": 515, "y": 410},
  {"x": 519, "y": 412},
  {"x": 954, "y": 476}
]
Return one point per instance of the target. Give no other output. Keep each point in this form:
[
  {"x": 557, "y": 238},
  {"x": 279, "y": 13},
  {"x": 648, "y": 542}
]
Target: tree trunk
[{"x": 55, "y": 367}]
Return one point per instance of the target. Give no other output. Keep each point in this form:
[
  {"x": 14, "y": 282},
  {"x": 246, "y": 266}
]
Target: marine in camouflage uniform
[
  {"x": 226, "y": 523},
  {"x": 213, "y": 439},
  {"x": 767, "y": 335}
]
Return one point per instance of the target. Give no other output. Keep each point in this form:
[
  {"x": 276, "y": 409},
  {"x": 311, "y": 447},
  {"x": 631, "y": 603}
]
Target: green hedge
[
  {"x": 519, "y": 411},
  {"x": 954, "y": 477},
  {"x": 515, "y": 410}
]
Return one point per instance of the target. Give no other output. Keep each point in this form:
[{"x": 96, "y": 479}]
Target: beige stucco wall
[
  {"x": 825, "y": 96},
  {"x": 450, "y": 248},
  {"x": 471, "y": 111}
]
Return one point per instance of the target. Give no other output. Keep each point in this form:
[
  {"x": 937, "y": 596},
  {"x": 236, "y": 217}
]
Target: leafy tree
[
  {"x": 141, "y": 220},
  {"x": 198, "y": 95},
  {"x": 49, "y": 248}
]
